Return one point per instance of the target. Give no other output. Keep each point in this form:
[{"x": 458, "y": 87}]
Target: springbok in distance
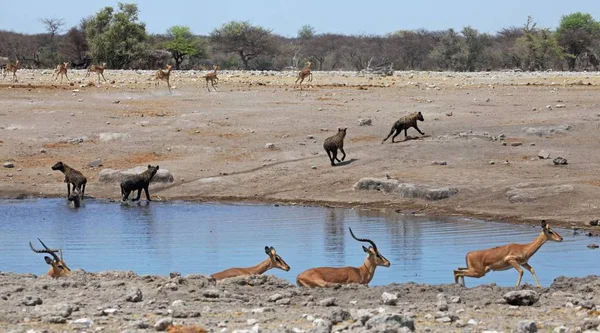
[
  {"x": 303, "y": 74},
  {"x": 10, "y": 67},
  {"x": 332, "y": 276},
  {"x": 61, "y": 70},
  {"x": 164, "y": 76},
  {"x": 273, "y": 261},
  {"x": 212, "y": 77},
  {"x": 99, "y": 70},
  {"x": 58, "y": 268},
  {"x": 504, "y": 257}
]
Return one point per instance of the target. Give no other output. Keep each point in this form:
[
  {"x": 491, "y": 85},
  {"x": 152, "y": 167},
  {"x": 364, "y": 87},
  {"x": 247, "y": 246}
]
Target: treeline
[{"x": 117, "y": 37}]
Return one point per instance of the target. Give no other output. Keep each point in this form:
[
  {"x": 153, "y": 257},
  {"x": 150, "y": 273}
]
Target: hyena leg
[
  {"x": 395, "y": 135},
  {"x": 138, "y": 195},
  {"x": 82, "y": 191},
  {"x": 391, "y": 132},
  {"x": 69, "y": 189},
  {"x": 343, "y": 152},
  {"x": 330, "y": 158},
  {"x": 335, "y": 155},
  {"x": 417, "y": 128},
  {"x": 125, "y": 194},
  {"x": 147, "y": 194}
]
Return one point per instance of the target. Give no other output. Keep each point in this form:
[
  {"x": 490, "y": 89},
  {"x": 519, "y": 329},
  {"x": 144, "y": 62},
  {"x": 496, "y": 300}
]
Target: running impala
[
  {"x": 332, "y": 276},
  {"x": 504, "y": 257}
]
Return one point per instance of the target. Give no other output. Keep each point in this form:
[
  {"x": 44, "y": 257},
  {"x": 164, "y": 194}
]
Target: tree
[
  {"x": 74, "y": 45},
  {"x": 537, "y": 46},
  {"x": 306, "y": 32},
  {"x": 183, "y": 43},
  {"x": 117, "y": 38},
  {"x": 49, "y": 47},
  {"x": 450, "y": 51},
  {"x": 246, "y": 40},
  {"x": 576, "y": 34},
  {"x": 475, "y": 43}
]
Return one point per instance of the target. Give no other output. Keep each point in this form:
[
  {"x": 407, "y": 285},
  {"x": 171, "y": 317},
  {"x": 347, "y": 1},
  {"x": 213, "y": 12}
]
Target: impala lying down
[
  {"x": 273, "y": 261},
  {"x": 504, "y": 257},
  {"x": 332, "y": 276},
  {"x": 58, "y": 268}
]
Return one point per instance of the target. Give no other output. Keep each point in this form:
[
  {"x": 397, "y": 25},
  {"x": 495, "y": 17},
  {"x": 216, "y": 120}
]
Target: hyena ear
[
  {"x": 157, "y": 167},
  {"x": 149, "y": 166}
]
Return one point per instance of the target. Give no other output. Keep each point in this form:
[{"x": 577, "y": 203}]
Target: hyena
[
  {"x": 138, "y": 182},
  {"x": 72, "y": 176},
  {"x": 335, "y": 142},
  {"x": 405, "y": 123}
]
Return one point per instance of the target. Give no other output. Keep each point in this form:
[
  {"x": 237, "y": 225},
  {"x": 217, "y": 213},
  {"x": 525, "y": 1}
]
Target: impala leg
[
  {"x": 516, "y": 265},
  {"x": 532, "y": 271}
]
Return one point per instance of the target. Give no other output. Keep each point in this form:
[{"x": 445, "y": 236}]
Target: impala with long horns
[
  {"x": 58, "y": 268},
  {"x": 332, "y": 276},
  {"x": 504, "y": 257},
  {"x": 273, "y": 261}
]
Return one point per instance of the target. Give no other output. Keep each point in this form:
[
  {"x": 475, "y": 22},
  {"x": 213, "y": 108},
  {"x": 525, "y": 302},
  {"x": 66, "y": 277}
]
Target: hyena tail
[{"x": 391, "y": 132}]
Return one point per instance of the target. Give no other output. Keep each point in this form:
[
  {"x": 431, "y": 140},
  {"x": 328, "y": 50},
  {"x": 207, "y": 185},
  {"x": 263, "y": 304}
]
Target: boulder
[
  {"x": 521, "y": 297},
  {"x": 405, "y": 190},
  {"x": 547, "y": 130},
  {"x": 527, "y": 192}
]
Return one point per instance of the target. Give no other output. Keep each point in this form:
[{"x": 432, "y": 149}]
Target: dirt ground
[{"x": 215, "y": 143}]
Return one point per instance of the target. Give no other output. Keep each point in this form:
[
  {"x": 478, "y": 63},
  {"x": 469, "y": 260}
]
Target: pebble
[
  {"x": 515, "y": 144},
  {"x": 389, "y": 298},
  {"x": 9, "y": 165},
  {"x": 527, "y": 326},
  {"x": 559, "y": 161},
  {"x": 365, "y": 122},
  {"x": 594, "y": 223},
  {"x": 439, "y": 163},
  {"x": 81, "y": 323},
  {"x": 330, "y": 301},
  {"x": 449, "y": 114},
  {"x": 270, "y": 146}
]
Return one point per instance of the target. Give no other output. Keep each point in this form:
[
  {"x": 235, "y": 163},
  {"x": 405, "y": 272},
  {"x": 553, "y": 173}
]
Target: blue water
[{"x": 165, "y": 237}]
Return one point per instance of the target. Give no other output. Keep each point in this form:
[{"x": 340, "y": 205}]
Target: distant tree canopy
[
  {"x": 577, "y": 33},
  {"x": 182, "y": 43},
  {"x": 244, "y": 39},
  {"x": 116, "y": 36}
]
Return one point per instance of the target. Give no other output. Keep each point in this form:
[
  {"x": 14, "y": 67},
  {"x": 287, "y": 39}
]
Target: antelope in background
[
  {"x": 61, "y": 70},
  {"x": 162, "y": 75},
  {"x": 212, "y": 77},
  {"x": 10, "y": 67},
  {"x": 332, "y": 276},
  {"x": 99, "y": 70},
  {"x": 504, "y": 257},
  {"x": 58, "y": 268},
  {"x": 303, "y": 74},
  {"x": 273, "y": 261}
]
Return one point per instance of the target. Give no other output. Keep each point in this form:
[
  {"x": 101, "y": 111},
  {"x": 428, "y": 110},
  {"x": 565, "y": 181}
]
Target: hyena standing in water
[
  {"x": 335, "y": 142},
  {"x": 138, "y": 182},
  {"x": 72, "y": 176},
  {"x": 405, "y": 123}
]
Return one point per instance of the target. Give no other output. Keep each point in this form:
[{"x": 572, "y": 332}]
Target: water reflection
[{"x": 205, "y": 238}]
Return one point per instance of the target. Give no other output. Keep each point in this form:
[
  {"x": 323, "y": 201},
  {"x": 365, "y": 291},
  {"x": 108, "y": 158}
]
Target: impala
[
  {"x": 303, "y": 74},
  {"x": 58, "y": 268},
  {"x": 61, "y": 70},
  {"x": 10, "y": 67},
  {"x": 164, "y": 76},
  {"x": 504, "y": 257},
  {"x": 273, "y": 261},
  {"x": 99, "y": 70},
  {"x": 332, "y": 276},
  {"x": 212, "y": 77}
]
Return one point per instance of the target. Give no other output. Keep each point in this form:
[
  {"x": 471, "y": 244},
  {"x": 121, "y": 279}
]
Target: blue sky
[{"x": 285, "y": 17}]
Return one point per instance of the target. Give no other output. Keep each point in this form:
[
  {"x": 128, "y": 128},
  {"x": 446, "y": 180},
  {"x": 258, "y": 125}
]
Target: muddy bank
[{"x": 126, "y": 302}]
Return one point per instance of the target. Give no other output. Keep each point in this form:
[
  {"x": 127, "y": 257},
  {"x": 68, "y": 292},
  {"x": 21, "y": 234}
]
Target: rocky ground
[
  {"x": 125, "y": 302},
  {"x": 488, "y": 152}
]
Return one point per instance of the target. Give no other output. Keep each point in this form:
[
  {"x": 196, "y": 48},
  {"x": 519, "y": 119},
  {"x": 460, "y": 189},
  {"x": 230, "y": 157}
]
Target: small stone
[
  {"x": 445, "y": 319},
  {"x": 560, "y": 329},
  {"x": 43, "y": 151},
  {"x": 559, "y": 161},
  {"x": 270, "y": 146},
  {"x": 449, "y": 114},
  {"x": 9, "y": 165},
  {"x": 330, "y": 301},
  {"x": 134, "y": 295},
  {"x": 532, "y": 144},
  {"x": 284, "y": 301},
  {"x": 442, "y": 306},
  {"x": 527, "y": 326},
  {"x": 162, "y": 324},
  {"x": 455, "y": 299},
  {"x": 389, "y": 298},
  {"x": 95, "y": 163},
  {"x": 439, "y": 163},
  {"x": 211, "y": 293},
  {"x": 549, "y": 107},
  {"x": 504, "y": 143},
  {"x": 543, "y": 154},
  {"x": 521, "y": 297},
  {"x": 472, "y": 322},
  {"x": 534, "y": 109},
  {"x": 81, "y": 323},
  {"x": 110, "y": 311},
  {"x": 488, "y": 99},
  {"x": 31, "y": 300},
  {"x": 515, "y": 144},
  {"x": 251, "y": 322},
  {"x": 492, "y": 162},
  {"x": 365, "y": 122},
  {"x": 310, "y": 136},
  {"x": 275, "y": 297},
  {"x": 593, "y": 246},
  {"x": 560, "y": 106},
  {"x": 116, "y": 102},
  {"x": 594, "y": 223},
  {"x": 314, "y": 167}
]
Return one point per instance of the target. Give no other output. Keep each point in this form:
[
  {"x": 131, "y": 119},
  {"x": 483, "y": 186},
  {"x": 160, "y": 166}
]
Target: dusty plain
[{"x": 488, "y": 128}]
